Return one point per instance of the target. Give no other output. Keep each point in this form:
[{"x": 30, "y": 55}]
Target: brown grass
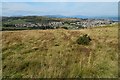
[{"x": 55, "y": 53}]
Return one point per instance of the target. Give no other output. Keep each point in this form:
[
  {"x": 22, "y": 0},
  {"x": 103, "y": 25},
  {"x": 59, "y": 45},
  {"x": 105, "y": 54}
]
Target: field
[{"x": 55, "y": 53}]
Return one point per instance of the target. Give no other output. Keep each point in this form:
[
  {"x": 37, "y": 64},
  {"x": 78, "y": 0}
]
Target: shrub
[
  {"x": 84, "y": 40},
  {"x": 64, "y": 27}
]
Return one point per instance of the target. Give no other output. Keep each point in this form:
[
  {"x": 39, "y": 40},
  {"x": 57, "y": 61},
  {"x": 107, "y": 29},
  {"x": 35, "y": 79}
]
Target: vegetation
[
  {"x": 64, "y": 27},
  {"x": 84, "y": 40},
  {"x": 55, "y": 53},
  {"x": 37, "y": 22}
]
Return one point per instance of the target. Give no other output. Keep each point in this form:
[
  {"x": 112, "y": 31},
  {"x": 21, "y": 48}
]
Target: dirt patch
[
  {"x": 74, "y": 33},
  {"x": 65, "y": 37},
  {"x": 85, "y": 50},
  {"x": 82, "y": 49},
  {"x": 47, "y": 36}
]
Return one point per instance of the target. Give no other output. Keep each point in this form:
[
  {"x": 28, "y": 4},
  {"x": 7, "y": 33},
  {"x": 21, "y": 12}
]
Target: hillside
[
  {"x": 43, "y": 23},
  {"x": 55, "y": 53}
]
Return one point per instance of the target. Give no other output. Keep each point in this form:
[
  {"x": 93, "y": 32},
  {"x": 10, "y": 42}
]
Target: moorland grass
[{"x": 55, "y": 53}]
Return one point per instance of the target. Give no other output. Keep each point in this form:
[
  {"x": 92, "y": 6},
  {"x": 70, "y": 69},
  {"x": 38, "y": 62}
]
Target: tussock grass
[{"x": 55, "y": 53}]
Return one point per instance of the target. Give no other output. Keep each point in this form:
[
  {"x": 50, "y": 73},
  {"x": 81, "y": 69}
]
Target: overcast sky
[
  {"x": 60, "y": 8},
  {"x": 60, "y": 0}
]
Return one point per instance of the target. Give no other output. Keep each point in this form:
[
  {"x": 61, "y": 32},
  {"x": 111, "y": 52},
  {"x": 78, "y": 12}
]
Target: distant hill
[
  {"x": 57, "y": 16},
  {"x": 62, "y": 16},
  {"x": 108, "y": 17},
  {"x": 80, "y": 16},
  {"x": 84, "y": 17}
]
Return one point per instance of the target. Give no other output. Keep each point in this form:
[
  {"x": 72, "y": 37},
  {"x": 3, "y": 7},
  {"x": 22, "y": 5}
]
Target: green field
[{"x": 55, "y": 53}]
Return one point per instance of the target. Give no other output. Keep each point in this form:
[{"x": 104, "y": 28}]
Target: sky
[
  {"x": 60, "y": 0},
  {"x": 60, "y": 8}
]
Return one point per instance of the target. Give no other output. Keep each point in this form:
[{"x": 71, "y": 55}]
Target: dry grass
[{"x": 55, "y": 53}]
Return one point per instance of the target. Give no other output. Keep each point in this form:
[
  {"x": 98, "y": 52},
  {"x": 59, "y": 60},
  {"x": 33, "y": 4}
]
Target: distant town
[{"x": 43, "y": 22}]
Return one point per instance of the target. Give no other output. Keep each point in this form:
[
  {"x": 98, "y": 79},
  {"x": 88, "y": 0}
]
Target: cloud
[
  {"x": 60, "y": 0},
  {"x": 75, "y": 0},
  {"x": 16, "y": 0},
  {"x": 59, "y": 8},
  {"x": 22, "y": 8},
  {"x": 15, "y": 6}
]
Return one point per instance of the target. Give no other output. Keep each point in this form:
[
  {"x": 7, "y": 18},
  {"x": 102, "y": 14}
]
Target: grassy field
[{"x": 55, "y": 53}]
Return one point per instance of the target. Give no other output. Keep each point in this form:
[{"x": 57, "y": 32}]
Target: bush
[
  {"x": 84, "y": 40},
  {"x": 64, "y": 27}
]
